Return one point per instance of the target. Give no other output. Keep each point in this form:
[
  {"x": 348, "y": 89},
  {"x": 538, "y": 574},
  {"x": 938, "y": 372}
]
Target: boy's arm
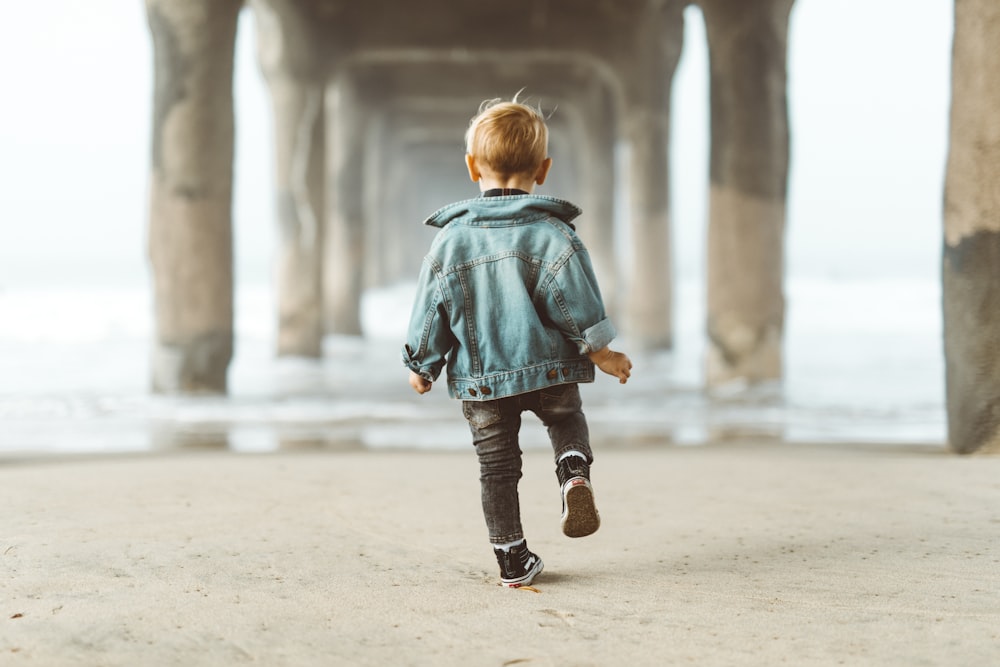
[
  {"x": 576, "y": 306},
  {"x": 428, "y": 339}
]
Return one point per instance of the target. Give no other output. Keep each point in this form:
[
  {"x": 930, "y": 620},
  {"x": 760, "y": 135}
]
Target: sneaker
[
  {"x": 518, "y": 566},
  {"x": 579, "y": 516}
]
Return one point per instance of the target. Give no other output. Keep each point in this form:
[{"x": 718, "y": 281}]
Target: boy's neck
[{"x": 511, "y": 183}]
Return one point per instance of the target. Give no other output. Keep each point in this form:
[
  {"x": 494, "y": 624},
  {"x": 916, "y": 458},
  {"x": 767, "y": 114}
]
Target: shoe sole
[
  {"x": 580, "y": 518},
  {"x": 526, "y": 580}
]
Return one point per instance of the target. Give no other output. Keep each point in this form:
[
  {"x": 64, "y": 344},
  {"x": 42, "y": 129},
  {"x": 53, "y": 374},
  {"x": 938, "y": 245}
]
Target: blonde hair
[{"x": 508, "y": 137}]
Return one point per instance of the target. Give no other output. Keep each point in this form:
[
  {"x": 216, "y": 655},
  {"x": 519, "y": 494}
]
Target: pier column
[
  {"x": 291, "y": 60},
  {"x": 749, "y": 173},
  {"x": 971, "y": 261},
  {"x": 595, "y": 133},
  {"x": 190, "y": 207},
  {"x": 649, "y": 299},
  {"x": 344, "y": 250}
]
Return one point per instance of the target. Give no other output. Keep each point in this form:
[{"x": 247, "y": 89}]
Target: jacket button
[
  {"x": 472, "y": 392},
  {"x": 552, "y": 375},
  {"x": 485, "y": 391},
  {"x": 565, "y": 371}
]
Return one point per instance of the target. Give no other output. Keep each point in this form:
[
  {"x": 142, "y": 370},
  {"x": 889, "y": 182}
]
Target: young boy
[{"x": 508, "y": 299}]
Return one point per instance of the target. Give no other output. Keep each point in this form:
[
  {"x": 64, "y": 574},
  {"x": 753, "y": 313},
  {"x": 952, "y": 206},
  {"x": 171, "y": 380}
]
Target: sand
[{"x": 711, "y": 555}]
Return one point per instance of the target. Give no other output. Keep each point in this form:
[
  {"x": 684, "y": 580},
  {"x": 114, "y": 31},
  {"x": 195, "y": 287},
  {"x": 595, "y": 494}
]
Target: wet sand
[{"x": 745, "y": 554}]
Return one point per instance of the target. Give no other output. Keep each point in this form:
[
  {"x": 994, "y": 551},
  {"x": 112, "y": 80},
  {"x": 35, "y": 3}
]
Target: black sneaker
[
  {"x": 518, "y": 566},
  {"x": 579, "y": 515}
]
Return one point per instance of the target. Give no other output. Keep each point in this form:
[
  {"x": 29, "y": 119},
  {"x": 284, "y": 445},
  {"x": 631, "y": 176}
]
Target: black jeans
[{"x": 495, "y": 426}]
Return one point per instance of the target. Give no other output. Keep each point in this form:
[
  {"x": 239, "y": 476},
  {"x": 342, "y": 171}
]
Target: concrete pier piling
[
  {"x": 190, "y": 208},
  {"x": 749, "y": 173},
  {"x": 971, "y": 258}
]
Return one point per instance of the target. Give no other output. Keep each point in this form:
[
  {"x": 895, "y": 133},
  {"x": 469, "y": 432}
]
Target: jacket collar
[{"x": 503, "y": 208}]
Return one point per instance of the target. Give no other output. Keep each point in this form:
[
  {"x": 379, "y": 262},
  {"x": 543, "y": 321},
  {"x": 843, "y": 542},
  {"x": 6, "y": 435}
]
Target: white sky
[{"x": 869, "y": 83}]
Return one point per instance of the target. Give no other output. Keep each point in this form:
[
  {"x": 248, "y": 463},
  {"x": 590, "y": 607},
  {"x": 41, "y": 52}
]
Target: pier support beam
[
  {"x": 649, "y": 298},
  {"x": 749, "y": 174},
  {"x": 190, "y": 207},
  {"x": 594, "y": 132},
  {"x": 971, "y": 261},
  {"x": 290, "y": 57},
  {"x": 344, "y": 250},
  {"x": 648, "y": 78}
]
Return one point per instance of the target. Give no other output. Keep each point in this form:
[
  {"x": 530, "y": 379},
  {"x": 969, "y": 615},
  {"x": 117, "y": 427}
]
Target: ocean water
[{"x": 864, "y": 365}]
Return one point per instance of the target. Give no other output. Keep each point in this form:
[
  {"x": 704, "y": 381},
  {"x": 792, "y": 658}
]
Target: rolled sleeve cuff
[
  {"x": 597, "y": 337},
  {"x": 429, "y": 372}
]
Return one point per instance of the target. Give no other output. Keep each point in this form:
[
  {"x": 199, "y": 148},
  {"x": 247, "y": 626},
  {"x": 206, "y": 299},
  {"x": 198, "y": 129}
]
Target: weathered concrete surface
[
  {"x": 741, "y": 555},
  {"x": 190, "y": 213},
  {"x": 344, "y": 248},
  {"x": 290, "y": 51},
  {"x": 971, "y": 262},
  {"x": 749, "y": 173},
  {"x": 646, "y": 129}
]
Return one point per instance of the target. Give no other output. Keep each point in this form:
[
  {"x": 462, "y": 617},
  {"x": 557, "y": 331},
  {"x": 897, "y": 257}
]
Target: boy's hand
[
  {"x": 419, "y": 384},
  {"x": 613, "y": 363}
]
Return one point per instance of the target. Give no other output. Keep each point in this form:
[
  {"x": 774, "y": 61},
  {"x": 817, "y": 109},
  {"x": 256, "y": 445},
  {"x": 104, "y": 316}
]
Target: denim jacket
[{"x": 507, "y": 297}]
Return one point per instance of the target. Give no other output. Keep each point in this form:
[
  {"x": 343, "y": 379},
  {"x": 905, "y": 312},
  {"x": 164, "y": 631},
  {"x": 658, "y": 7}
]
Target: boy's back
[{"x": 510, "y": 279}]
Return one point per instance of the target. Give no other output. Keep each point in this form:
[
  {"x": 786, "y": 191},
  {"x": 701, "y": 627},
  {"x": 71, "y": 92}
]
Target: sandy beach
[{"x": 713, "y": 555}]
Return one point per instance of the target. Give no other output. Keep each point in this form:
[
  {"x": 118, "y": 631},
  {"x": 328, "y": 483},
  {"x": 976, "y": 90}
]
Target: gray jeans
[{"x": 495, "y": 426}]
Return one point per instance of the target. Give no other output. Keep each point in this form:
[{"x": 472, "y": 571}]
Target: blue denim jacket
[{"x": 507, "y": 297}]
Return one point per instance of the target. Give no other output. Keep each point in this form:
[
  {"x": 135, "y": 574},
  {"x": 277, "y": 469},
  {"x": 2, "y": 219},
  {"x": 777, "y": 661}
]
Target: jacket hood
[{"x": 490, "y": 209}]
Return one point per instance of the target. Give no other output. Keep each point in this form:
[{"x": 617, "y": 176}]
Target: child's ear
[
  {"x": 543, "y": 170},
  {"x": 470, "y": 163}
]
